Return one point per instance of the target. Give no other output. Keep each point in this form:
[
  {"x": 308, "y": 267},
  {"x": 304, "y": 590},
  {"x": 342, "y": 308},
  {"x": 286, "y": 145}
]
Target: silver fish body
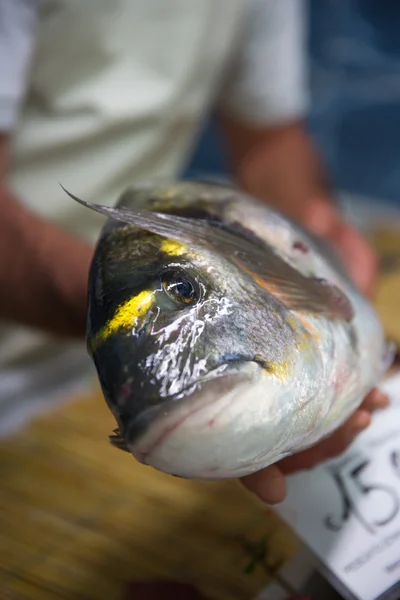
[{"x": 225, "y": 337}]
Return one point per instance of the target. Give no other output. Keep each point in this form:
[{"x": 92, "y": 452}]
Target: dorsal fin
[{"x": 263, "y": 265}]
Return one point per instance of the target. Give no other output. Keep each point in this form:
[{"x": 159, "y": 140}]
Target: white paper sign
[{"x": 347, "y": 511}]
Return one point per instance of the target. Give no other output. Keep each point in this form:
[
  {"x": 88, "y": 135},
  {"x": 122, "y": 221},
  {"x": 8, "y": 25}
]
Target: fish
[{"x": 225, "y": 336}]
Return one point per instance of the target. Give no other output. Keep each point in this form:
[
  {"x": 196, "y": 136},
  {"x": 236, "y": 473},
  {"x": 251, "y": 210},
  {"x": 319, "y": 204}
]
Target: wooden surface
[
  {"x": 387, "y": 239},
  {"x": 79, "y": 518}
]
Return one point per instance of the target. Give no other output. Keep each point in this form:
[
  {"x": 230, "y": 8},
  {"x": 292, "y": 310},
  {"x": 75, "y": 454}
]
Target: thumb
[{"x": 268, "y": 484}]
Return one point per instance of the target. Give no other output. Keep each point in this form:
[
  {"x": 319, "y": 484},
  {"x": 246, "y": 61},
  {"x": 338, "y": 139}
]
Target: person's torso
[{"x": 117, "y": 91}]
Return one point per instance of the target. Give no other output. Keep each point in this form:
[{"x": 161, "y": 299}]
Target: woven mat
[
  {"x": 79, "y": 518},
  {"x": 387, "y": 240}
]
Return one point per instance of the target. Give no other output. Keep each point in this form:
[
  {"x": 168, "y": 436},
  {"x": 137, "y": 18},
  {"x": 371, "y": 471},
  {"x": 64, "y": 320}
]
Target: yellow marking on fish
[
  {"x": 280, "y": 370},
  {"x": 127, "y": 314},
  {"x": 172, "y": 247}
]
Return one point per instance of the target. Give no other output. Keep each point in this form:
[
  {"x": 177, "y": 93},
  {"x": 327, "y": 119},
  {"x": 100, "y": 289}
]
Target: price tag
[{"x": 347, "y": 511}]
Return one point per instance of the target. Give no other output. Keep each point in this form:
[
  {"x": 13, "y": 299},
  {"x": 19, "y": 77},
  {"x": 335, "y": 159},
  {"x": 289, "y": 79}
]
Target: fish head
[
  {"x": 200, "y": 333},
  {"x": 179, "y": 334}
]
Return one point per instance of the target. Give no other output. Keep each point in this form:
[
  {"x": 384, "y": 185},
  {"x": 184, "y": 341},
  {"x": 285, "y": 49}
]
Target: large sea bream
[{"x": 224, "y": 337}]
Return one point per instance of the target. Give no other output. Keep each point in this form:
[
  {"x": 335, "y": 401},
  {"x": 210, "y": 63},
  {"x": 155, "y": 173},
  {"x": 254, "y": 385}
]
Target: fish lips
[{"x": 197, "y": 407}]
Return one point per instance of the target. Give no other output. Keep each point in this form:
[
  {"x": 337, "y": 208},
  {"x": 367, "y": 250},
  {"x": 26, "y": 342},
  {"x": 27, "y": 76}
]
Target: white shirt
[{"x": 99, "y": 94}]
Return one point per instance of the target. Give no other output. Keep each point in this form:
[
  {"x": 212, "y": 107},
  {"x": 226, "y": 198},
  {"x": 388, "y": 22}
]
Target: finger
[
  {"x": 376, "y": 400},
  {"x": 339, "y": 441},
  {"x": 332, "y": 446},
  {"x": 268, "y": 484},
  {"x": 321, "y": 216}
]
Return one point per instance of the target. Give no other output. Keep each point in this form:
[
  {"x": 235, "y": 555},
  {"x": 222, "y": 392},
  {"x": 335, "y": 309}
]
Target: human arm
[
  {"x": 262, "y": 112},
  {"x": 43, "y": 270},
  {"x": 282, "y": 166}
]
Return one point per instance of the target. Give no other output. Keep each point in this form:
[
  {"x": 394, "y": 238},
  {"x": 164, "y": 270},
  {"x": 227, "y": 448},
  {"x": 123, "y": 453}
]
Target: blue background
[{"x": 354, "y": 51}]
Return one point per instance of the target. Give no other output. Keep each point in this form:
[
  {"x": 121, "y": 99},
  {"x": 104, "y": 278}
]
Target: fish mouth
[{"x": 184, "y": 436}]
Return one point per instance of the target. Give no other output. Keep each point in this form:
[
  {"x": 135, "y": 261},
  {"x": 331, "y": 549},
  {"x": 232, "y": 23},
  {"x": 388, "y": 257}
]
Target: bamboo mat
[
  {"x": 78, "y": 518},
  {"x": 387, "y": 240}
]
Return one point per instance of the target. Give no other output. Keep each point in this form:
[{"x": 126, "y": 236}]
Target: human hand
[
  {"x": 323, "y": 219},
  {"x": 320, "y": 216},
  {"x": 269, "y": 484},
  {"x": 282, "y": 166}
]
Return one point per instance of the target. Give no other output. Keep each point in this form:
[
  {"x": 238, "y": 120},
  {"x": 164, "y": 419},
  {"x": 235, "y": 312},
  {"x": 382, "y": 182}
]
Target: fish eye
[{"x": 180, "y": 288}]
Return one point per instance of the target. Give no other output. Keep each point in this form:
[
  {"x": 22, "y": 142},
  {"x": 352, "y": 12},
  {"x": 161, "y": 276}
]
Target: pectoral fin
[{"x": 296, "y": 292}]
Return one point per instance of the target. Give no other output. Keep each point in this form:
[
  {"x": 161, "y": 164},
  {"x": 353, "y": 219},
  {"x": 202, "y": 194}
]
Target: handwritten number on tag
[
  {"x": 366, "y": 489},
  {"x": 395, "y": 461},
  {"x": 349, "y": 505}
]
